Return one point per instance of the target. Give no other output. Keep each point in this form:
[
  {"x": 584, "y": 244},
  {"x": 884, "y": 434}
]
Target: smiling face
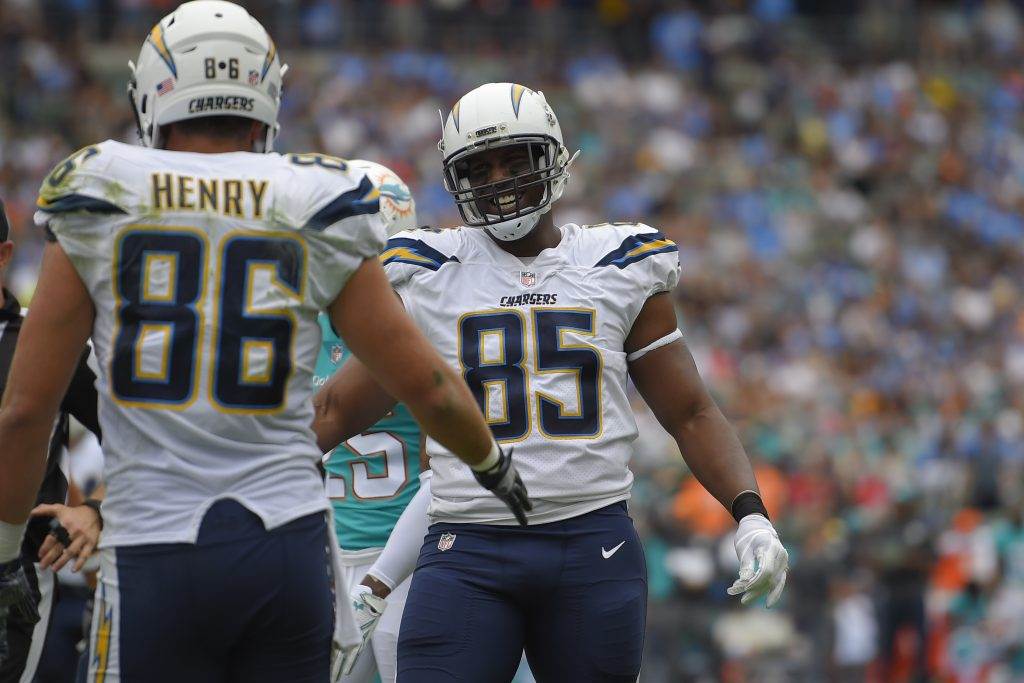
[{"x": 505, "y": 179}]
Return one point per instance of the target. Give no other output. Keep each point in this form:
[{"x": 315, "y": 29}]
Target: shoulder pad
[
  {"x": 331, "y": 191},
  {"x": 426, "y": 248},
  {"x": 80, "y": 183}
]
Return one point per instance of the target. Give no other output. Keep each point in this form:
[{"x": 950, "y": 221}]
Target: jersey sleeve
[
  {"x": 646, "y": 255},
  {"x": 416, "y": 252},
  {"x": 80, "y": 184},
  {"x": 342, "y": 231},
  {"x": 78, "y": 202}
]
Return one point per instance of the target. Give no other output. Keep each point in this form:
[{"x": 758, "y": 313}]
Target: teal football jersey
[{"x": 372, "y": 476}]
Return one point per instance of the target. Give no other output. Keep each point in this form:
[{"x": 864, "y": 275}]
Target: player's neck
[
  {"x": 544, "y": 236},
  {"x": 205, "y": 144}
]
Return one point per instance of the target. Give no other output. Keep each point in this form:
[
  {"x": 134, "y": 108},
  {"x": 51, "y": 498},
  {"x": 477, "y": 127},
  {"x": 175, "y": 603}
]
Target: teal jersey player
[{"x": 373, "y": 476}]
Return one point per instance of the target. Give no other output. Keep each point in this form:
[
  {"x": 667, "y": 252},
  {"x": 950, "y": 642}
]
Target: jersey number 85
[{"x": 504, "y": 374}]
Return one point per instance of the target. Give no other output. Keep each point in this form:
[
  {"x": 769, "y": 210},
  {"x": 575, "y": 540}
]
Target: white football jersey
[
  {"x": 207, "y": 272},
  {"x": 540, "y": 344}
]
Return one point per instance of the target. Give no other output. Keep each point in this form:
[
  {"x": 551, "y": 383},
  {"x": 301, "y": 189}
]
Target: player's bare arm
[
  {"x": 349, "y": 403},
  {"x": 415, "y": 374},
  {"x": 667, "y": 378},
  {"x": 412, "y": 371},
  {"x": 49, "y": 347}
]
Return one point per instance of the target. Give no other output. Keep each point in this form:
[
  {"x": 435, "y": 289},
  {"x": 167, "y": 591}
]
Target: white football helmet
[
  {"x": 396, "y": 202},
  {"x": 206, "y": 58},
  {"x": 499, "y": 115}
]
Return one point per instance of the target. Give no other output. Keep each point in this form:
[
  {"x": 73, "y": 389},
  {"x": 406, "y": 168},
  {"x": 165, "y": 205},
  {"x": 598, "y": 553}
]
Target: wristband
[
  {"x": 95, "y": 505},
  {"x": 748, "y": 503},
  {"x": 489, "y": 462}
]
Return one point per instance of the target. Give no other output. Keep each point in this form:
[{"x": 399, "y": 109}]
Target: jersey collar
[{"x": 552, "y": 256}]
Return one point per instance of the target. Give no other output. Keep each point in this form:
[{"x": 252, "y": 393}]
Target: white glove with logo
[
  {"x": 368, "y": 609},
  {"x": 764, "y": 561}
]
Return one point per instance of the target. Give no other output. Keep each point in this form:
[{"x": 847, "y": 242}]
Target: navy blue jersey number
[
  {"x": 580, "y": 360},
  {"x": 160, "y": 278},
  {"x": 159, "y": 281},
  {"x": 497, "y": 370},
  {"x": 246, "y": 339},
  {"x": 506, "y": 373}
]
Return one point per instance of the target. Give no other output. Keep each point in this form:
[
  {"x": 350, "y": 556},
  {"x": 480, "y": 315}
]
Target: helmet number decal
[{"x": 211, "y": 66}]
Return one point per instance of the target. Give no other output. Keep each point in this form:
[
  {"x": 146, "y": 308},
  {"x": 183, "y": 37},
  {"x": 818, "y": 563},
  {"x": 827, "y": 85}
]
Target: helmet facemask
[{"x": 511, "y": 206}]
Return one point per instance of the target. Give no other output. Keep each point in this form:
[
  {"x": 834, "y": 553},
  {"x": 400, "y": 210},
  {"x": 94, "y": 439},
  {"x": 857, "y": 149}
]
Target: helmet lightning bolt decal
[
  {"x": 269, "y": 59},
  {"x": 455, "y": 115},
  {"x": 156, "y": 39},
  {"x": 517, "y": 97}
]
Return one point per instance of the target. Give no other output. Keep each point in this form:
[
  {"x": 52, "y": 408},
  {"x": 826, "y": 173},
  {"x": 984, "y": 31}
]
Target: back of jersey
[{"x": 207, "y": 272}]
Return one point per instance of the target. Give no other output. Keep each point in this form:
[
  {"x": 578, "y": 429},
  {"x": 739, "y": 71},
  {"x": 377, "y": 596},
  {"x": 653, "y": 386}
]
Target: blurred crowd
[{"x": 846, "y": 187}]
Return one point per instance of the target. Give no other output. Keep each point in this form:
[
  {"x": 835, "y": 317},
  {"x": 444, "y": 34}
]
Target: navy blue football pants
[
  {"x": 573, "y": 594},
  {"x": 242, "y": 604}
]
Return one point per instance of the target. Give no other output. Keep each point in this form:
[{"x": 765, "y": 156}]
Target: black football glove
[
  {"x": 503, "y": 481},
  {"x": 15, "y": 600}
]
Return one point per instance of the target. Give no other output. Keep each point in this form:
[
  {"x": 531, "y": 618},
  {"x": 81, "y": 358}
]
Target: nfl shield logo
[
  {"x": 336, "y": 353},
  {"x": 254, "y": 77},
  {"x": 527, "y": 278},
  {"x": 446, "y": 542}
]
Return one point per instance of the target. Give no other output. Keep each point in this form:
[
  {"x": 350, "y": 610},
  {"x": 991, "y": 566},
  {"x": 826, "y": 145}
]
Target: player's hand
[
  {"x": 503, "y": 481},
  {"x": 15, "y": 600},
  {"x": 82, "y": 526},
  {"x": 764, "y": 561},
  {"x": 368, "y": 609}
]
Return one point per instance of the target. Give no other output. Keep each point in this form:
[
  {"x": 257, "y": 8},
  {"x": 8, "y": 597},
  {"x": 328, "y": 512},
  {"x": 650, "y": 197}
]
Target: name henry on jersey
[
  {"x": 528, "y": 300},
  {"x": 175, "y": 192}
]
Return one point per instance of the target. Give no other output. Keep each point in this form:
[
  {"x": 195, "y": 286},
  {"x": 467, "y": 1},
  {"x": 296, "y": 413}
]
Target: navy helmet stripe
[{"x": 346, "y": 205}]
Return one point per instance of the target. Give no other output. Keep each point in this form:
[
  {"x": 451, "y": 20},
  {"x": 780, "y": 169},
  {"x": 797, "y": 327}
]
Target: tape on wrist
[
  {"x": 11, "y": 536},
  {"x": 656, "y": 344},
  {"x": 748, "y": 503},
  {"x": 489, "y": 462}
]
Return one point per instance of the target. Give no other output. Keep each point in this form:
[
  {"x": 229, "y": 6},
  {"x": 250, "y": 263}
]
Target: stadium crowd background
[{"x": 846, "y": 188}]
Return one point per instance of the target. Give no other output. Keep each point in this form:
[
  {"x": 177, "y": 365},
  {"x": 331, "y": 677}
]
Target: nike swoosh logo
[{"x": 608, "y": 553}]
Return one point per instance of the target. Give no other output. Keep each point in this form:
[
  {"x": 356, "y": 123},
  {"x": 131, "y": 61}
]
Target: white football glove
[
  {"x": 343, "y": 659},
  {"x": 368, "y": 609},
  {"x": 764, "y": 561}
]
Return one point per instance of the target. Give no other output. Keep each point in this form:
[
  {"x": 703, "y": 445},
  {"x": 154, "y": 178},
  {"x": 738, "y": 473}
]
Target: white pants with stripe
[{"x": 104, "y": 656}]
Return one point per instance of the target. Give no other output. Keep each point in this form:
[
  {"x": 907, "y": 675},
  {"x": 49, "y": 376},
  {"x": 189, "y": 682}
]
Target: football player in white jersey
[
  {"x": 546, "y": 324},
  {"x": 198, "y": 266}
]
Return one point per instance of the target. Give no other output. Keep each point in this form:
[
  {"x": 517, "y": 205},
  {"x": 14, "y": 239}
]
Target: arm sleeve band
[
  {"x": 398, "y": 559},
  {"x": 656, "y": 344}
]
